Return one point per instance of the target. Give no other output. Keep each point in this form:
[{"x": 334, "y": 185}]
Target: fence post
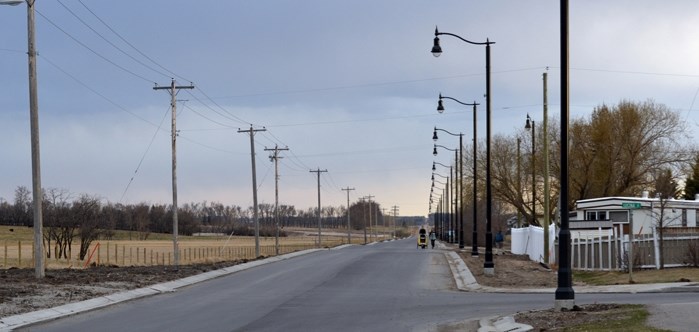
[{"x": 656, "y": 248}]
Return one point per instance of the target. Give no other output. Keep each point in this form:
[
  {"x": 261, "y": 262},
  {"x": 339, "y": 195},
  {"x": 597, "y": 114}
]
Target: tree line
[
  {"x": 616, "y": 150},
  {"x": 69, "y": 217}
]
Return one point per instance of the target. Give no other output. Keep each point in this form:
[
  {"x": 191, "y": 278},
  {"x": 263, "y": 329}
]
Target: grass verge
[{"x": 597, "y": 278}]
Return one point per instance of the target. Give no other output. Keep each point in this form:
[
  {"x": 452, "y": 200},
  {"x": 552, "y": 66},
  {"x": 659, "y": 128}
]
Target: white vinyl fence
[
  {"x": 530, "y": 241},
  {"x": 605, "y": 249}
]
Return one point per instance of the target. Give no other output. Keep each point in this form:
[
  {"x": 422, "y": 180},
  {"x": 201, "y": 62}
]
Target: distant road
[{"x": 384, "y": 287}]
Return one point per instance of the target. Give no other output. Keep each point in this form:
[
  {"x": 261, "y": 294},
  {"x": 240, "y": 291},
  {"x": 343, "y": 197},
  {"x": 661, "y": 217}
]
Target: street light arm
[
  {"x": 458, "y": 101},
  {"x": 438, "y": 163},
  {"x": 444, "y": 147},
  {"x": 486, "y": 42},
  {"x": 440, "y": 175},
  {"x": 450, "y": 133}
]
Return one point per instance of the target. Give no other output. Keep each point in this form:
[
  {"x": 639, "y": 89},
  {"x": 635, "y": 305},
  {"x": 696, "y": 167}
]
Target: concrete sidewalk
[{"x": 662, "y": 316}]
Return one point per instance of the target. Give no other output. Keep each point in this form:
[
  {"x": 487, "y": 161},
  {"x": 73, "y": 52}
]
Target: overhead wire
[
  {"x": 93, "y": 51},
  {"x": 131, "y": 45},
  {"x": 109, "y": 42},
  {"x": 143, "y": 156}
]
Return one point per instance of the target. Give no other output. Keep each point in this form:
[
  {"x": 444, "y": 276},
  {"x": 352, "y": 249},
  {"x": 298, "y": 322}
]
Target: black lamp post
[
  {"x": 531, "y": 125},
  {"x": 446, "y": 207},
  {"x": 460, "y": 182},
  {"x": 440, "y": 109},
  {"x": 565, "y": 296},
  {"x": 458, "y": 236},
  {"x": 488, "y": 264}
]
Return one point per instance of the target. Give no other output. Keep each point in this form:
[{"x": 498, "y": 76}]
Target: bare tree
[{"x": 666, "y": 189}]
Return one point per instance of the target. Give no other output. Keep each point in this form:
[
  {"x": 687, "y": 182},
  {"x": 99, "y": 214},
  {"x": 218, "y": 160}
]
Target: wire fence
[{"x": 20, "y": 254}]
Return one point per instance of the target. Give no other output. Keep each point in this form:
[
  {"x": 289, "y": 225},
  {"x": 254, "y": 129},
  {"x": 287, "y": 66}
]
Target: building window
[
  {"x": 596, "y": 215},
  {"x": 684, "y": 217}
]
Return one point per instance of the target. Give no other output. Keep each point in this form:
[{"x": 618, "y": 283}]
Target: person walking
[{"x": 433, "y": 237}]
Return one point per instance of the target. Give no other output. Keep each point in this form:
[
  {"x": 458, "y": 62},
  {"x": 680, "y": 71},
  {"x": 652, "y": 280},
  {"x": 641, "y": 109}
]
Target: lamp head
[
  {"x": 436, "y": 49},
  {"x": 434, "y": 168},
  {"x": 528, "y": 125},
  {"x": 432, "y": 176},
  {"x": 434, "y": 135},
  {"x": 440, "y": 105},
  {"x": 434, "y": 151}
]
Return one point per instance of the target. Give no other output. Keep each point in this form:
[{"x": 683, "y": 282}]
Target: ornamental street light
[
  {"x": 565, "y": 295},
  {"x": 440, "y": 109},
  {"x": 488, "y": 264},
  {"x": 434, "y": 168},
  {"x": 445, "y": 208},
  {"x": 460, "y": 181},
  {"x": 456, "y": 193},
  {"x": 531, "y": 125},
  {"x": 39, "y": 269}
]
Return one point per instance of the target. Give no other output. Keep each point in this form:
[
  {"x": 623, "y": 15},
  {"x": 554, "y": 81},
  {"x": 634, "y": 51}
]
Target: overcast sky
[{"x": 348, "y": 86}]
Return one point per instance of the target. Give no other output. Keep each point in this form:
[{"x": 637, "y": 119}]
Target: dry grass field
[{"x": 17, "y": 248}]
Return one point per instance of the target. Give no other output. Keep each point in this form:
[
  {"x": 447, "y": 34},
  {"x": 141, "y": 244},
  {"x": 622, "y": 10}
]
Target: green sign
[{"x": 631, "y": 205}]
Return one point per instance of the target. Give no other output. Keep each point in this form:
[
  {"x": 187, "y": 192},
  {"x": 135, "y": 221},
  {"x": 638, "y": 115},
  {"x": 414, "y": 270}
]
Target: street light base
[
  {"x": 489, "y": 271},
  {"x": 561, "y": 305}
]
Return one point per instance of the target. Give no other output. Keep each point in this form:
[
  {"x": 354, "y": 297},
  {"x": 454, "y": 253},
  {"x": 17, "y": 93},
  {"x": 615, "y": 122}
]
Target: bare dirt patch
[
  {"x": 511, "y": 271},
  {"x": 21, "y": 292}
]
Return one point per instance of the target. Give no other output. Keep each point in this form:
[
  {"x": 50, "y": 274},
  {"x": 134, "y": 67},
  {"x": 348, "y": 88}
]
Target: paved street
[{"x": 383, "y": 287}]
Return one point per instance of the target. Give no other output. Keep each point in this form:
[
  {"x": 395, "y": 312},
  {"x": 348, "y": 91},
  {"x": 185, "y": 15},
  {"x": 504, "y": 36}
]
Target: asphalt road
[{"x": 383, "y": 287}]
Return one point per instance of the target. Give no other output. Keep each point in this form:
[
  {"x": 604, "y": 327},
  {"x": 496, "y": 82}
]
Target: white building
[{"x": 642, "y": 211}]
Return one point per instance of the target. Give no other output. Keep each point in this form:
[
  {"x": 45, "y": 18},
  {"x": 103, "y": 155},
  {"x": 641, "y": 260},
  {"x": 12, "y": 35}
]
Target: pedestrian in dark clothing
[
  {"x": 433, "y": 237},
  {"x": 499, "y": 239}
]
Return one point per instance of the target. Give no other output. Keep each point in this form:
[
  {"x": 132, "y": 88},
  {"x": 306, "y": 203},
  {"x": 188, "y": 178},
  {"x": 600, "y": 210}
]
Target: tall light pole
[
  {"x": 252, "y": 132},
  {"x": 565, "y": 296},
  {"x": 440, "y": 109},
  {"x": 455, "y": 181},
  {"x": 460, "y": 181},
  {"x": 39, "y": 269},
  {"x": 488, "y": 264},
  {"x": 519, "y": 180},
  {"x": 441, "y": 214},
  {"x": 531, "y": 125},
  {"x": 446, "y": 207}
]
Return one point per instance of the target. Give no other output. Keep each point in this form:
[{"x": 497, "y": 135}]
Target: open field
[{"x": 17, "y": 248}]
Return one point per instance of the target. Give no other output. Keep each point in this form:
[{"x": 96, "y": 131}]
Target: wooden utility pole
[
  {"x": 369, "y": 197},
  {"x": 172, "y": 89},
  {"x": 349, "y": 225},
  {"x": 546, "y": 174},
  {"x": 275, "y": 158},
  {"x": 318, "y": 171},
  {"x": 252, "y": 132},
  {"x": 395, "y": 214}
]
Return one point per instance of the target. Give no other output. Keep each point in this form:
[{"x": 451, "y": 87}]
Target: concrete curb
[
  {"x": 12, "y": 322},
  {"x": 465, "y": 281}
]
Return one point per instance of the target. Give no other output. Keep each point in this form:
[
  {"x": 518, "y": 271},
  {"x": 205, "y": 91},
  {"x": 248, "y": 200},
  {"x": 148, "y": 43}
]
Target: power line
[
  {"x": 143, "y": 157},
  {"x": 93, "y": 51},
  {"x": 109, "y": 42},
  {"x": 97, "y": 93},
  {"x": 131, "y": 45}
]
